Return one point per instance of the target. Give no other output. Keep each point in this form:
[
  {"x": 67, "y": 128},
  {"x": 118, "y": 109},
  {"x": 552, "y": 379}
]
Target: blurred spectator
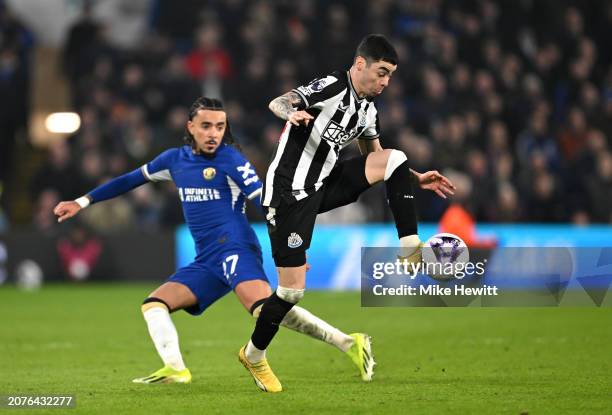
[
  {"x": 208, "y": 61},
  {"x": 176, "y": 87},
  {"x": 537, "y": 139},
  {"x": 458, "y": 219},
  {"x": 44, "y": 219},
  {"x": 83, "y": 47},
  {"x": 79, "y": 253},
  {"x": 599, "y": 188},
  {"x": 13, "y": 89},
  {"x": 4, "y": 223},
  {"x": 573, "y": 136},
  {"x": 16, "y": 42},
  {"x": 545, "y": 203},
  {"x": 507, "y": 207},
  {"x": 146, "y": 207},
  {"x": 58, "y": 173},
  {"x": 114, "y": 215}
]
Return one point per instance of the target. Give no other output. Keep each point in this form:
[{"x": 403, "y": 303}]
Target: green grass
[{"x": 90, "y": 341}]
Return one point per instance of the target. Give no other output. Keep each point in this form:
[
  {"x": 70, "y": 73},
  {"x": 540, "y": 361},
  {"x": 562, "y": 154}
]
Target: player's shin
[
  {"x": 163, "y": 333},
  {"x": 303, "y": 321},
  {"x": 400, "y": 194},
  {"x": 272, "y": 313}
]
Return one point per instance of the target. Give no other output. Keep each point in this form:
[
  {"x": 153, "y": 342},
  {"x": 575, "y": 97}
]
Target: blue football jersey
[{"x": 213, "y": 191}]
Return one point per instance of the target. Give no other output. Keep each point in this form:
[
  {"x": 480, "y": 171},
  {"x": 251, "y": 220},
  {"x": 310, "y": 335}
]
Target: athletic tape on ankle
[
  {"x": 395, "y": 159},
  {"x": 291, "y": 295}
]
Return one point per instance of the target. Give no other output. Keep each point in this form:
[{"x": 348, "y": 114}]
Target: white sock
[
  {"x": 164, "y": 336},
  {"x": 253, "y": 354},
  {"x": 409, "y": 244},
  {"x": 304, "y": 321}
]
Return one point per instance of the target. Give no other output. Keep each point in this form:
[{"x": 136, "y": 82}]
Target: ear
[
  {"x": 360, "y": 63},
  {"x": 190, "y": 127}
]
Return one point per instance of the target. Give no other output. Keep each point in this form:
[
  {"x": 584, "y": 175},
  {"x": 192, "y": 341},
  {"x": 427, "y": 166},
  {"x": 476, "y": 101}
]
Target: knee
[
  {"x": 394, "y": 160},
  {"x": 273, "y": 310},
  {"x": 291, "y": 295}
]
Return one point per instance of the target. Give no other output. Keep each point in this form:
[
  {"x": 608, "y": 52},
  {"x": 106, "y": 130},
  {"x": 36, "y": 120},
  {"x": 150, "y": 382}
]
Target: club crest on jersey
[
  {"x": 294, "y": 240},
  {"x": 362, "y": 119},
  {"x": 209, "y": 173}
]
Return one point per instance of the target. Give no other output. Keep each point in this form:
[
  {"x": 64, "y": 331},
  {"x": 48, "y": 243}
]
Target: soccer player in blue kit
[{"x": 213, "y": 180}]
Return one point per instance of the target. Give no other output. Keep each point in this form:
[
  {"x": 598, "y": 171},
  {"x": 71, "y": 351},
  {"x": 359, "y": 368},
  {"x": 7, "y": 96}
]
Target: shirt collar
[{"x": 353, "y": 91}]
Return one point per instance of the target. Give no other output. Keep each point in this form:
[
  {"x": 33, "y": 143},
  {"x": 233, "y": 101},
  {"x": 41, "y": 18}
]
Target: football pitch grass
[{"x": 90, "y": 341}]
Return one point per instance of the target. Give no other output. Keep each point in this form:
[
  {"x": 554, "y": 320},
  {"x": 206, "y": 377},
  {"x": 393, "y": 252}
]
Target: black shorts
[{"x": 290, "y": 225}]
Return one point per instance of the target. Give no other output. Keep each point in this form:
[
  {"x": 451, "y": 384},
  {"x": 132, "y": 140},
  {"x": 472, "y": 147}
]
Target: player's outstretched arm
[
  {"x": 108, "y": 190},
  {"x": 284, "y": 107}
]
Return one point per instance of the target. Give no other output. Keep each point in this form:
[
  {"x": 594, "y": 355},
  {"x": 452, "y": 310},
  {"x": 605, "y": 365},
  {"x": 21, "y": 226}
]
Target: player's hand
[
  {"x": 66, "y": 210},
  {"x": 299, "y": 117},
  {"x": 434, "y": 181}
]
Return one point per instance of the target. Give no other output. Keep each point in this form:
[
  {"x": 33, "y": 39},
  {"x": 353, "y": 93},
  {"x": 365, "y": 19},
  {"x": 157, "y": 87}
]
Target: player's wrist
[
  {"x": 83, "y": 201},
  {"x": 290, "y": 112}
]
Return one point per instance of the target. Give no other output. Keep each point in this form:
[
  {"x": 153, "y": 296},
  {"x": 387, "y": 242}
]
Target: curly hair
[{"x": 211, "y": 104}]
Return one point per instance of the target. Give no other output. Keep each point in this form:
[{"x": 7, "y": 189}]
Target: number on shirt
[{"x": 230, "y": 262}]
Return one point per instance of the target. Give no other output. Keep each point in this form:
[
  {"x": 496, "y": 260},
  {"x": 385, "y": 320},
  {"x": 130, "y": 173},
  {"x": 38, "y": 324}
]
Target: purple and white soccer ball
[{"x": 443, "y": 255}]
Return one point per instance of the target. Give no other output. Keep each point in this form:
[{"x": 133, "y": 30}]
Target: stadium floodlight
[{"x": 63, "y": 122}]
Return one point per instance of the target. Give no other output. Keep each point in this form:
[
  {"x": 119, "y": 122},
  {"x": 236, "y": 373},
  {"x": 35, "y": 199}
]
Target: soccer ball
[{"x": 445, "y": 256}]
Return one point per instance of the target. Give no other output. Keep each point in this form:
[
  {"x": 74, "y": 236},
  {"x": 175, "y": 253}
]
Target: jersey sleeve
[
  {"x": 318, "y": 90},
  {"x": 372, "y": 129},
  {"x": 117, "y": 186},
  {"x": 158, "y": 169},
  {"x": 243, "y": 174}
]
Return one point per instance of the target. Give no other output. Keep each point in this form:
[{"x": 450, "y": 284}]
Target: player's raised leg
[
  {"x": 392, "y": 167},
  {"x": 156, "y": 311}
]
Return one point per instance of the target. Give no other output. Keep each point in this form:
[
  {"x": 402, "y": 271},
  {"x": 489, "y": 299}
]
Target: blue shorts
[{"x": 214, "y": 277}]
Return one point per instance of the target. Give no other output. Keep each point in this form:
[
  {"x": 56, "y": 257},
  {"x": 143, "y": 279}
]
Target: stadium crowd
[
  {"x": 511, "y": 100},
  {"x": 16, "y": 43}
]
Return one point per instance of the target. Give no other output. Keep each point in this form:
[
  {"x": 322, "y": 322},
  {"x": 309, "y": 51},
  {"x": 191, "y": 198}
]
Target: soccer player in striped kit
[{"x": 305, "y": 178}]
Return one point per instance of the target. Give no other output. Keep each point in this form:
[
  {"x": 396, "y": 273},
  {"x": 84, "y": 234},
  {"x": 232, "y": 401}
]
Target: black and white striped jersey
[{"x": 305, "y": 155}]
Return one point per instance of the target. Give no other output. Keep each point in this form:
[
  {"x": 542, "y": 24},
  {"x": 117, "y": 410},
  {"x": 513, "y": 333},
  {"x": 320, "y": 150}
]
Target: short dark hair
[
  {"x": 211, "y": 104},
  {"x": 375, "y": 47}
]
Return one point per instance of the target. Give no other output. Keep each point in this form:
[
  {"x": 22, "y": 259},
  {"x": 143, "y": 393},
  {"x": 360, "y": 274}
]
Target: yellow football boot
[
  {"x": 263, "y": 376},
  {"x": 166, "y": 375},
  {"x": 361, "y": 354}
]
